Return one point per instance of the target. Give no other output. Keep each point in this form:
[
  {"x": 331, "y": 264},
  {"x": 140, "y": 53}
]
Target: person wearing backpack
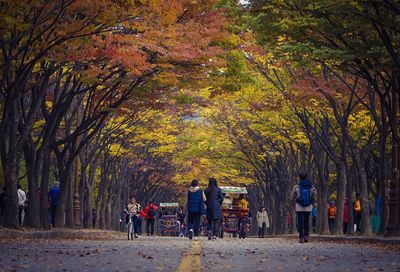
[
  {"x": 331, "y": 215},
  {"x": 195, "y": 209},
  {"x": 304, "y": 194},
  {"x": 151, "y": 211}
]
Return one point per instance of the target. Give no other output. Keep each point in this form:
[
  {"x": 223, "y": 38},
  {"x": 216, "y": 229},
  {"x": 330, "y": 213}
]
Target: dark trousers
[
  {"x": 53, "y": 214},
  {"x": 194, "y": 222},
  {"x": 261, "y": 231},
  {"x": 331, "y": 222},
  {"x": 357, "y": 221},
  {"x": 140, "y": 221},
  {"x": 213, "y": 225},
  {"x": 345, "y": 227},
  {"x": 303, "y": 222},
  {"x": 150, "y": 226},
  {"x": 20, "y": 211},
  {"x": 314, "y": 224}
]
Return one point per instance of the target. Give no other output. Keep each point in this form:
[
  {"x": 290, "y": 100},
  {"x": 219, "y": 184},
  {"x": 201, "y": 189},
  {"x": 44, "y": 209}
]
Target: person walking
[
  {"x": 181, "y": 220},
  {"x": 346, "y": 215},
  {"x": 21, "y": 204},
  {"x": 133, "y": 208},
  {"x": 314, "y": 214},
  {"x": 357, "y": 213},
  {"x": 331, "y": 216},
  {"x": 150, "y": 212},
  {"x": 304, "y": 194},
  {"x": 54, "y": 193},
  {"x": 195, "y": 206},
  {"x": 141, "y": 216},
  {"x": 262, "y": 222},
  {"x": 214, "y": 199}
]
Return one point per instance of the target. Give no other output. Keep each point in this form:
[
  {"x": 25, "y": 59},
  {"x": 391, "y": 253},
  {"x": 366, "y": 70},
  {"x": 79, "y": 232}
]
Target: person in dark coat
[
  {"x": 54, "y": 194},
  {"x": 214, "y": 213},
  {"x": 195, "y": 198}
]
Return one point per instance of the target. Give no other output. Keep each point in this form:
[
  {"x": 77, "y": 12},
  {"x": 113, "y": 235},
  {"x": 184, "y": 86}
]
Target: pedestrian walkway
[{"x": 181, "y": 254}]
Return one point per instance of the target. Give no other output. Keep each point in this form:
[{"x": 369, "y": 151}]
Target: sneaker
[
  {"x": 190, "y": 234},
  {"x": 210, "y": 235},
  {"x": 136, "y": 236},
  {"x": 301, "y": 241},
  {"x": 214, "y": 238},
  {"x": 196, "y": 238}
]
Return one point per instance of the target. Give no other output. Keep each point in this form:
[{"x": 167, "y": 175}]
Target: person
[
  {"x": 21, "y": 203},
  {"x": 357, "y": 213},
  {"x": 181, "y": 220},
  {"x": 94, "y": 217},
  {"x": 304, "y": 194},
  {"x": 195, "y": 200},
  {"x": 227, "y": 202},
  {"x": 243, "y": 203},
  {"x": 54, "y": 193},
  {"x": 314, "y": 214},
  {"x": 2, "y": 205},
  {"x": 346, "y": 215},
  {"x": 262, "y": 222},
  {"x": 150, "y": 212},
  {"x": 331, "y": 215},
  {"x": 214, "y": 199},
  {"x": 133, "y": 209},
  {"x": 141, "y": 215}
]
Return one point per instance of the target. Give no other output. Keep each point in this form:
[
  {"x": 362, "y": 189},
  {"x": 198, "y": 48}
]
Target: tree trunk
[
  {"x": 341, "y": 191},
  {"x": 33, "y": 215},
  {"x": 365, "y": 212},
  {"x": 44, "y": 187}
]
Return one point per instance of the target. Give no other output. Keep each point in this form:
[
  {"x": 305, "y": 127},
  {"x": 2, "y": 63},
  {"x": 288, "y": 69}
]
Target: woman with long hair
[{"x": 214, "y": 213}]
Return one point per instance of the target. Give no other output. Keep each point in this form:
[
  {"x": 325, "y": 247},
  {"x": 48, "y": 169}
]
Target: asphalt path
[{"x": 182, "y": 254}]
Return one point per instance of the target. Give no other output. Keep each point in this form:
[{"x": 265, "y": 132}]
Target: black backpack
[{"x": 152, "y": 211}]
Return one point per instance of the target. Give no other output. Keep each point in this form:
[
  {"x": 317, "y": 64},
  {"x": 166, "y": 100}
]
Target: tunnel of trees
[{"x": 119, "y": 98}]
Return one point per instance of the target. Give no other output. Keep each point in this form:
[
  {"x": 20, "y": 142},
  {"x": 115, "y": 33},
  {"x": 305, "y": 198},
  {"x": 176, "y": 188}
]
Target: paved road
[{"x": 180, "y": 254}]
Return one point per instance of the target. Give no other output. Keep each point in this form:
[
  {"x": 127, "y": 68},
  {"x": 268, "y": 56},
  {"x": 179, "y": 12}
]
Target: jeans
[
  {"x": 261, "y": 231},
  {"x": 53, "y": 214},
  {"x": 213, "y": 225},
  {"x": 135, "y": 224},
  {"x": 150, "y": 226},
  {"x": 194, "y": 222},
  {"x": 331, "y": 222},
  {"x": 303, "y": 222}
]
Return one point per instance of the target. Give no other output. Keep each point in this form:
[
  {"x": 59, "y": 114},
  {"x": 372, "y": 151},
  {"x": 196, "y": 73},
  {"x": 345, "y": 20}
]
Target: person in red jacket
[
  {"x": 346, "y": 215},
  {"x": 150, "y": 212}
]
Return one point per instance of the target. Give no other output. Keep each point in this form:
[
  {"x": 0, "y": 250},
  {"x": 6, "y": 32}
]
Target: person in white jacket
[
  {"x": 262, "y": 221},
  {"x": 21, "y": 204}
]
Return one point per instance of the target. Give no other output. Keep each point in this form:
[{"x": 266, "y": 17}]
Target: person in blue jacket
[
  {"x": 54, "y": 194},
  {"x": 195, "y": 200}
]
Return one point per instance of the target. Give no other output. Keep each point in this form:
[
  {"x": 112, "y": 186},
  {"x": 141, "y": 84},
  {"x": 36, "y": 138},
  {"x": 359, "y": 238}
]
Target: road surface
[{"x": 181, "y": 254}]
